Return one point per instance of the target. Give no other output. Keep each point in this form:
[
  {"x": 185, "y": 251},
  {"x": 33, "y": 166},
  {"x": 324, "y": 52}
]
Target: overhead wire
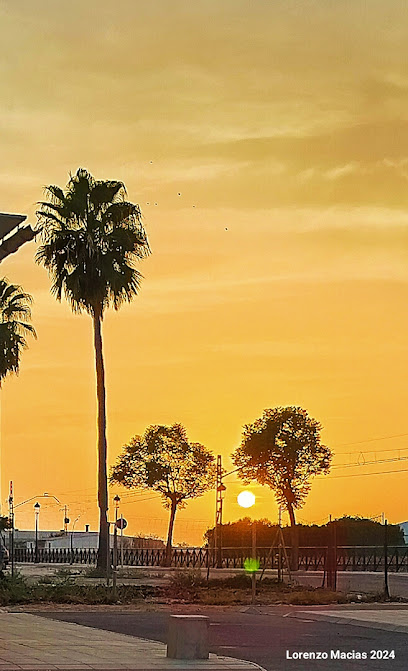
[
  {"x": 370, "y": 463},
  {"x": 361, "y": 475},
  {"x": 372, "y": 440}
]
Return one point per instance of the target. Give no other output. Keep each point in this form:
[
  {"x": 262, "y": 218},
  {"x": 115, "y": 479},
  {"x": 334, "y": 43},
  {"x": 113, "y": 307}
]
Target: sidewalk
[
  {"x": 33, "y": 643},
  {"x": 387, "y": 618}
]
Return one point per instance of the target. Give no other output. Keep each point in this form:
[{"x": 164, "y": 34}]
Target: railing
[
  {"x": 56, "y": 556},
  {"x": 371, "y": 558},
  {"x": 352, "y": 558}
]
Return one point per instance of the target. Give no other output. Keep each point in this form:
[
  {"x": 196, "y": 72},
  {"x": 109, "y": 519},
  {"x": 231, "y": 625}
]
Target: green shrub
[
  {"x": 14, "y": 589},
  {"x": 185, "y": 583}
]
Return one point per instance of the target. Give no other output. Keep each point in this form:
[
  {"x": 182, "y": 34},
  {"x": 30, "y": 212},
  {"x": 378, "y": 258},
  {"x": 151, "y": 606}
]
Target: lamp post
[
  {"x": 72, "y": 539},
  {"x": 115, "y": 544},
  {"x": 37, "y": 514},
  {"x": 246, "y": 499},
  {"x": 12, "y": 508}
]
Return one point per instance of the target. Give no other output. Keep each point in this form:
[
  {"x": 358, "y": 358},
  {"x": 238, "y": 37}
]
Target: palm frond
[
  {"x": 105, "y": 192},
  {"x": 55, "y": 193},
  {"x": 15, "y": 313}
]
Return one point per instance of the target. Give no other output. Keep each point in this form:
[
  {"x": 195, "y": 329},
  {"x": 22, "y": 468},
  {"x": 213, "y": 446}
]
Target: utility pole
[
  {"x": 219, "y": 489},
  {"x": 66, "y": 519}
]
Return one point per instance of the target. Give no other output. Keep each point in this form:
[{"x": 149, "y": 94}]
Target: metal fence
[{"x": 352, "y": 558}]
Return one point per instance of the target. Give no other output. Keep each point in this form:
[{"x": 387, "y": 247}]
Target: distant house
[
  {"x": 404, "y": 527},
  {"x": 26, "y": 539},
  {"x": 89, "y": 540},
  {"x": 81, "y": 540}
]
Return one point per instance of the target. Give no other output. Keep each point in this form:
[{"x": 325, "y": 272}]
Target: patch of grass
[
  {"x": 94, "y": 572},
  {"x": 217, "y": 597},
  {"x": 60, "y": 577},
  {"x": 314, "y": 597},
  {"x": 185, "y": 584},
  {"x": 62, "y": 588},
  {"x": 89, "y": 594},
  {"x": 13, "y": 589},
  {"x": 131, "y": 573},
  {"x": 238, "y": 581}
]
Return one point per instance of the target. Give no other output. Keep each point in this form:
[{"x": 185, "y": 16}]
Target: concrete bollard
[{"x": 188, "y": 637}]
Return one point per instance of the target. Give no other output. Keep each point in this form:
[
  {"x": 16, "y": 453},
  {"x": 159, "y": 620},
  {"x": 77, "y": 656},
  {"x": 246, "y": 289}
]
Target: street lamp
[
  {"x": 37, "y": 514},
  {"x": 72, "y": 539},
  {"x": 12, "y": 507},
  {"x": 115, "y": 543},
  {"x": 246, "y": 499}
]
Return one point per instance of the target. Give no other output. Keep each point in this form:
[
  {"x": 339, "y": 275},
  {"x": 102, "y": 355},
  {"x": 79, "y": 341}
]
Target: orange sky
[{"x": 278, "y": 276}]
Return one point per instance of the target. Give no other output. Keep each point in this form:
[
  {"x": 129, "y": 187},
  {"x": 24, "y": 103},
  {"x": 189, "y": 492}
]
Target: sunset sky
[{"x": 267, "y": 145}]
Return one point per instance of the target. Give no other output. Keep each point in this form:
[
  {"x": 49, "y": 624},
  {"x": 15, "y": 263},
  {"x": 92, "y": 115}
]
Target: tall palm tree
[
  {"x": 15, "y": 314},
  {"x": 91, "y": 240}
]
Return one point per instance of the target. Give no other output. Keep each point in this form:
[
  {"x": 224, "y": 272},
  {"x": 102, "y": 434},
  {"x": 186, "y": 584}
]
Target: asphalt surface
[{"x": 266, "y": 638}]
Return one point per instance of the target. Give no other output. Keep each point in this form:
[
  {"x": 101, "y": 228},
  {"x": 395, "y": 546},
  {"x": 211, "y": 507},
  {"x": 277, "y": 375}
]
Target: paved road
[{"x": 263, "y": 636}]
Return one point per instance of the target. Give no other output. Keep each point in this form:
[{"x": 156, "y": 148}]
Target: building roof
[{"x": 10, "y": 221}]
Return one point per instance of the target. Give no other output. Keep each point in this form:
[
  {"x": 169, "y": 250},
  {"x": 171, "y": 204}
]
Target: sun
[{"x": 246, "y": 499}]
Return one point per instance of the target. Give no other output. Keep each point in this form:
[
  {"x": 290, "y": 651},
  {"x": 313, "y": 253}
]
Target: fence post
[
  {"x": 386, "y": 589},
  {"x": 331, "y": 562}
]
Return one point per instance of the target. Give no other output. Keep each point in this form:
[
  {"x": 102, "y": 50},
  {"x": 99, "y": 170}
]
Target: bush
[
  {"x": 185, "y": 583},
  {"x": 14, "y": 589},
  {"x": 62, "y": 588}
]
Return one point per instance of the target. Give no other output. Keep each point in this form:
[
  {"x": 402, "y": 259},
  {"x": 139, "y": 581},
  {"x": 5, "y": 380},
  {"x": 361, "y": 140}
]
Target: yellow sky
[{"x": 278, "y": 275}]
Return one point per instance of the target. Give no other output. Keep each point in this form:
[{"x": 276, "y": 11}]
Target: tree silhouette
[
  {"x": 15, "y": 313},
  {"x": 165, "y": 461},
  {"x": 92, "y": 238},
  {"x": 282, "y": 450}
]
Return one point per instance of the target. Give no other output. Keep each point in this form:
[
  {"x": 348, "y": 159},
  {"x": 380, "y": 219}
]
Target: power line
[
  {"x": 368, "y": 463},
  {"x": 150, "y": 498},
  {"x": 360, "y": 475},
  {"x": 371, "y": 440},
  {"x": 388, "y": 449}
]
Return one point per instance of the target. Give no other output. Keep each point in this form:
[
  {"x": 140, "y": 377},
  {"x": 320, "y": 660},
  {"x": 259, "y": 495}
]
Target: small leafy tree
[
  {"x": 165, "y": 461},
  {"x": 282, "y": 449}
]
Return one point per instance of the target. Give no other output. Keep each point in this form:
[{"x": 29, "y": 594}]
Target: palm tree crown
[
  {"x": 15, "y": 313},
  {"x": 92, "y": 238}
]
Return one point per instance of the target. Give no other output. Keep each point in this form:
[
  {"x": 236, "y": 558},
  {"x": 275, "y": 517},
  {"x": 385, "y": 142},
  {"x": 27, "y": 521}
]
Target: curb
[{"x": 339, "y": 619}]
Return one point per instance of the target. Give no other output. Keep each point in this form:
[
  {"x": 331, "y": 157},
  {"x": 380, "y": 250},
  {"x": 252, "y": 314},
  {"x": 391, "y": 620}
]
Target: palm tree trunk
[
  {"x": 170, "y": 532},
  {"x": 102, "y": 445},
  {"x": 294, "y": 538}
]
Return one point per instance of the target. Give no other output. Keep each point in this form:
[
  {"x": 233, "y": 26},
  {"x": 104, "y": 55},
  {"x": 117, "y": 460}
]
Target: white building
[{"x": 80, "y": 540}]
